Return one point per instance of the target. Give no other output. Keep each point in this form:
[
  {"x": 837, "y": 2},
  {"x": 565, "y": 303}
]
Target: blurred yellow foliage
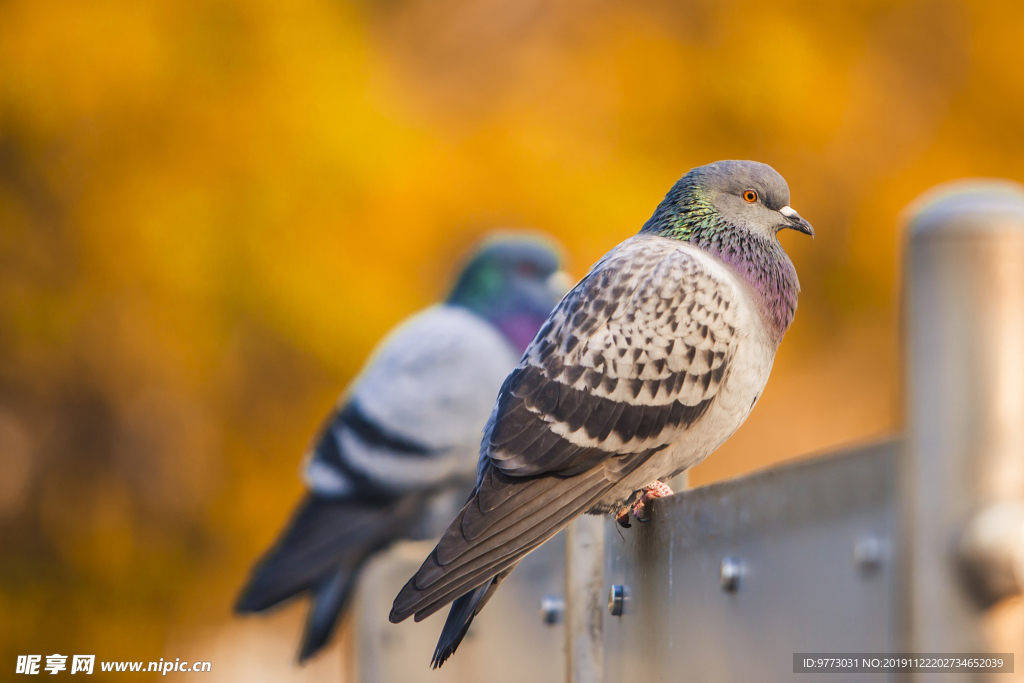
[{"x": 210, "y": 211}]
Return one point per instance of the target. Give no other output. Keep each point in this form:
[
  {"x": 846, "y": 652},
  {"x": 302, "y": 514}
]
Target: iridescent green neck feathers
[{"x": 690, "y": 213}]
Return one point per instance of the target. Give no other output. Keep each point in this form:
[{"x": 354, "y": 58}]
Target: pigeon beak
[
  {"x": 558, "y": 283},
  {"x": 795, "y": 222}
]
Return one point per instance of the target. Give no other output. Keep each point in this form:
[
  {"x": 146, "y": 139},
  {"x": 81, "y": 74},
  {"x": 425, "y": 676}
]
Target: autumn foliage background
[{"x": 210, "y": 211}]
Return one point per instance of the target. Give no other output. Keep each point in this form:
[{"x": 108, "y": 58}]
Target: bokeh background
[{"x": 211, "y": 210}]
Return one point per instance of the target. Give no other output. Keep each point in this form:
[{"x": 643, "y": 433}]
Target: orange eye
[{"x": 750, "y": 196}]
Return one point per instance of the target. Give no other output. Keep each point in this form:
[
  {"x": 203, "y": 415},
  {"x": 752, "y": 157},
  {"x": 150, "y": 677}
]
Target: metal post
[
  {"x": 962, "y": 477},
  {"x": 584, "y": 614},
  {"x": 586, "y": 597}
]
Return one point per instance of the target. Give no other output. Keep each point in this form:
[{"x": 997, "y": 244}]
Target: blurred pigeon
[
  {"x": 399, "y": 456},
  {"x": 647, "y": 366}
]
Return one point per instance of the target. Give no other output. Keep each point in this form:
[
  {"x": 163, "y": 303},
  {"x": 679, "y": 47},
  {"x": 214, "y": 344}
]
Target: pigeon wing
[{"x": 412, "y": 419}]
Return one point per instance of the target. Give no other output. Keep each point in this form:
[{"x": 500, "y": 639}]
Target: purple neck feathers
[
  {"x": 518, "y": 328},
  {"x": 765, "y": 267}
]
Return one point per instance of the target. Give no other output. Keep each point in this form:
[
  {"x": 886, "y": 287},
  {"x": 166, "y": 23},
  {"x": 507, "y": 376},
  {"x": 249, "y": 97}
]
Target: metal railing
[{"x": 912, "y": 545}]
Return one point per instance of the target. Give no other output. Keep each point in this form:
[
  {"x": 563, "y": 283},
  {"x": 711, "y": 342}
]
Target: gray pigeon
[
  {"x": 647, "y": 366},
  {"x": 399, "y": 455}
]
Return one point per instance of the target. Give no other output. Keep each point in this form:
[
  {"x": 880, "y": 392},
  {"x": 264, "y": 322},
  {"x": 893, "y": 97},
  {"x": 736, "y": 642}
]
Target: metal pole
[
  {"x": 962, "y": 476},
  {"x": 587, "y": 595},
  {"x": 584, "y": 600}
]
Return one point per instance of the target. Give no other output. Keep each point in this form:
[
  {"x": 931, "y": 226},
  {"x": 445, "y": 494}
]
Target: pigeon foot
[{"x": 657, "y": 489}]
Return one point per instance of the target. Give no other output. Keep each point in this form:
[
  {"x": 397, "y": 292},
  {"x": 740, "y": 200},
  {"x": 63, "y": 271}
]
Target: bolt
[
  {"x": 729, "y": 574},
  {"x": 990, "y": 552},
  {"x": 617, "y": 597},
  {"x": 867, "y": 554},
  {"x": 552, "y": 609}
]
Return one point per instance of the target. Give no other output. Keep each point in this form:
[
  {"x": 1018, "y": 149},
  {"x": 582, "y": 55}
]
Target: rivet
[
  {"x": 868, "y": 553},
  {"x": 617, "y": 600},
  {"x": 552, "y": 609},
  {"x": 729, "y": 574}
]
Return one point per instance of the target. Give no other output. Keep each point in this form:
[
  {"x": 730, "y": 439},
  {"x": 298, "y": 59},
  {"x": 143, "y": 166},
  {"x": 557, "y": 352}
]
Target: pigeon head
[
  {"x": 513, "y": 281},
  {"x": 717, "y": 201},
  {"x": 734, "y": 211}
]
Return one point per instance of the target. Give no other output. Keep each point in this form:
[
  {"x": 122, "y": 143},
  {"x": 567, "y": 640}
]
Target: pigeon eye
[{"x": 750, "y": 196}]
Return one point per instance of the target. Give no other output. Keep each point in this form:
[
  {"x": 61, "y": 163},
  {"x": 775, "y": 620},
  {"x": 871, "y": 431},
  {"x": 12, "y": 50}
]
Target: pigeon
[
  {"x": 646, "y": 367},
  {"x": 399, "y": 454}
]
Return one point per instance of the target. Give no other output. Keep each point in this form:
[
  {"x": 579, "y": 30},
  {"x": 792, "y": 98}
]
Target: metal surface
[
  {"x": 793, "y": 528},
  {"x": 965, "y": 413},
  {"x": 506, "y": 643}
]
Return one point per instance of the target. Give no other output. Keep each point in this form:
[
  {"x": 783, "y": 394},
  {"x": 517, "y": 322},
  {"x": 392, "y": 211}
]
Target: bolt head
[
  {"x": 868, "y": 553},
  {"x": 730, "y": 573},
  {"x": 552, "y": 609},
  {"x": 617, "y": 600},
  {"x": 990, "y": 553}
]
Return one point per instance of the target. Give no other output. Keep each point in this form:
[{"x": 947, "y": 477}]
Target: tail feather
[
  {"x": 321, "y": 534},
  {"x": 330, "y": 599},
  {"x": 322, "y": 550},
  {"x": 461, "y": 615},
  {"x": 513, "y": 535}
]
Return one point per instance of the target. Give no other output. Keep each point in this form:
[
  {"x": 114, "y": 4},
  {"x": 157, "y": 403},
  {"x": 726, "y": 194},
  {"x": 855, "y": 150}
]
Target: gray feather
[{"x": 427, "y": 390}]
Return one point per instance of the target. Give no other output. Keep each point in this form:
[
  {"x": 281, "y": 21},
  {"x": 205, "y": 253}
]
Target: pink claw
[
  {"x": 657, "y": 489},
  {"x": 648, "y": 493}
]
